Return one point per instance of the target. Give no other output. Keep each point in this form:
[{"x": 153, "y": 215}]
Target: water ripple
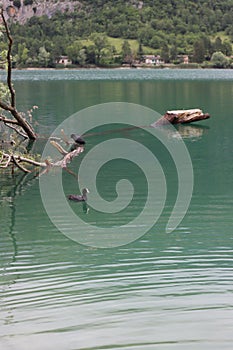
[{"x": 121, "y": 74}]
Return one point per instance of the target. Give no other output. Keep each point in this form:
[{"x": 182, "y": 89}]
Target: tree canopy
[{"x": 170, "y": 28}]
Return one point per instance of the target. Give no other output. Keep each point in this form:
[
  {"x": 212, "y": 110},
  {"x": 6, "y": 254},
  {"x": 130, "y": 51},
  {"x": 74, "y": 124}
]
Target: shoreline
[{"x": 115, "y": 68}]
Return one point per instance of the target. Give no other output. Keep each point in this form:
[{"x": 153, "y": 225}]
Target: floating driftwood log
[{"x": 181, "y": 117}]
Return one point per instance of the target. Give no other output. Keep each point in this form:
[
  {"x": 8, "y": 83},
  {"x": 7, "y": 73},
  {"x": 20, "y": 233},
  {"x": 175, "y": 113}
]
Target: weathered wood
[{"x": 181, "y": 117}]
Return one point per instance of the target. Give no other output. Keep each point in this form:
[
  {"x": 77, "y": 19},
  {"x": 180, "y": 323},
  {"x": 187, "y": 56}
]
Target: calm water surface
[{"x": 164, "y": 291}]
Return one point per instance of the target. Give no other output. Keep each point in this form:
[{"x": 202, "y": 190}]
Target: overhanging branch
[
  {"x": 9, "y": 65},
  {"x": 11, "y": 107}
]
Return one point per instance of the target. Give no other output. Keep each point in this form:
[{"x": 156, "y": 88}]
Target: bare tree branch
[
  {"x": 59, "y": 147},
  {"x": 9, "y": 65},
  {"x": 28, "y": 129},
  {"x": 7, "y": 121},
  {"x": 30, "y": 161},
  {"x": 16, "y": 130},
  {"x": 7, "y": 159},
  {"x": 20, "y": 166},
  {"x": 65, "y": 138}
]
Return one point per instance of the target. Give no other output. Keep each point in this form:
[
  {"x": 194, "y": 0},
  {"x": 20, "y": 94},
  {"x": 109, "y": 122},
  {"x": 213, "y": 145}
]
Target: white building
[
  {"x": 64, "y": 60},
  {"x": 154, "y": 60}
]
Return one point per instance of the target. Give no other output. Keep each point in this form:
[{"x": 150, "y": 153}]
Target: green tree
[
  {"x": 22, "y": 56},
  {"x": 43, "y": 57},
  {"x": 155, "y": 42},
  {"x": 73, "y": 51},
  {"x": 146, "y": 34},
  {"x": 208, "y": 47},
  {"x": 82, "y": 57},
  {"x": 227, "y": 48},
  {"x": 218, "y": 44},
  {"x": 165, "y": 55},
  {"x": 219, "y": 60},
  {"x": 199, "y": 51},
  {"x": 101, "y": 42},
  {"x": 90, "y": 54},
  {"x": 173, "y": 52},
  {"x": 107, "y": 55},
  {"x": 140, "y": 52},
  {"x": 126, "y": 52}
]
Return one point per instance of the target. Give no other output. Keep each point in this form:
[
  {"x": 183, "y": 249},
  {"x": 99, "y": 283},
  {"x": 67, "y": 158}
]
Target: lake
[{"x": 158, "y": 290}]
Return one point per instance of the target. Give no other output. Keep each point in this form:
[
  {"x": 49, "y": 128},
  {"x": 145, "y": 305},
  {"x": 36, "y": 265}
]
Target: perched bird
[
  {"x": 79, "y": 198},
  {"x": 78, "y": 141}
]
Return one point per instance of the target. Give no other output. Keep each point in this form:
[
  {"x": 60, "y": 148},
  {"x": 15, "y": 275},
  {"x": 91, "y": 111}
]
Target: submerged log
[{"x": 181, "y": 117}]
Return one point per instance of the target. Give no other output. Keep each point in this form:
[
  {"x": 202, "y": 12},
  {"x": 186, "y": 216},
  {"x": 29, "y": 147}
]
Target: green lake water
[{"x": 162, "y": 291}]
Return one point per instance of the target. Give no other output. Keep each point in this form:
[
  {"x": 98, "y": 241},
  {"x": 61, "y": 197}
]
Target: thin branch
[
  {"x": 20, "y": 166},
  {"x": 69, "y": 156},
  {"x": 65, "y": 137},
  {"x": 17, "y": 131},
  {"x": 19, "y": 120},
  {"x": 19, "y": 158},
  {"x": 30, "y": 161},
  {"x": 8, "y": 121},
  {"x": 9, "y": 66},
  {"x": 47, "y": 165},
  {"x": 59, "y": 147}
]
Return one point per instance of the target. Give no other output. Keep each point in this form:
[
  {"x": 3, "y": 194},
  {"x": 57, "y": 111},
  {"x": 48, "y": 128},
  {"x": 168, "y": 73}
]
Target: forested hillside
[{"x": 86, "y": 30}]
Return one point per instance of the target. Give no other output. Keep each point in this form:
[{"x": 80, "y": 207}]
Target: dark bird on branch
[{"x": 78, "y": 141}]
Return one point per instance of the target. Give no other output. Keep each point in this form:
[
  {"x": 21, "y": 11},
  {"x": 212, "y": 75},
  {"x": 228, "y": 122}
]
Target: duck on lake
[{"x": 79, "y": 198}]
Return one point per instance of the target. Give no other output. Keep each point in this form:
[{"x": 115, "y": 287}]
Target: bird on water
[{"x": 79, "y": 198}]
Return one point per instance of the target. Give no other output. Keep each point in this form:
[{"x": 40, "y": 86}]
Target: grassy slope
[{"x": 117, "y": 42}]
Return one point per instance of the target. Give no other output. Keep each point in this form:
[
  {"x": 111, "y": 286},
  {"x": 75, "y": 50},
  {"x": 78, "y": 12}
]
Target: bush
[
  {"x": 59, "y": 66},
  {"x": 219, "y": 60},
  {"x": 206, "y": 64},
  {"x": 189, "y": 65}
]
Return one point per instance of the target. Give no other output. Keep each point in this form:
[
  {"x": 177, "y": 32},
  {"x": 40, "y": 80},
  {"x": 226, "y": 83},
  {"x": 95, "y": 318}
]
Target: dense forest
[{"x": 104, "y": 32}]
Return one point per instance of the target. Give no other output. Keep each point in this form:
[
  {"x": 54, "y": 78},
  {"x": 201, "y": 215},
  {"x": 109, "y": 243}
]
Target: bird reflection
[
  {"x": 81, "y": 198},
  {"x": 85, "y": 208}
]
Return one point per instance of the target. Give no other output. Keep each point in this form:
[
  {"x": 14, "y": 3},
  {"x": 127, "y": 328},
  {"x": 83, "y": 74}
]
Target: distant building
[
  {"x": 154, "y": 60},
  {"x": 186, "y": 59},
  {"x": 64, "y": 60},
  {"x": 183, "y": 59}
]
